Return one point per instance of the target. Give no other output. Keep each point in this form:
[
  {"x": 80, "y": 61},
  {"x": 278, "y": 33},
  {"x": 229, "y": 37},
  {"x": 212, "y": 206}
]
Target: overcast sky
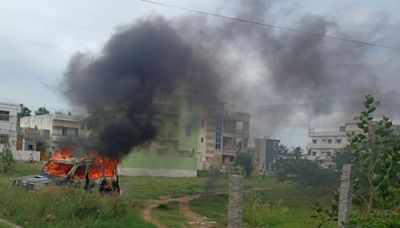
[{"x": 37, "y": 39}]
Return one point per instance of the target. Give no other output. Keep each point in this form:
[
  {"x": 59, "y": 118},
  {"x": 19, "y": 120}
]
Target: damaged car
[{"x": 89, "y": 173}]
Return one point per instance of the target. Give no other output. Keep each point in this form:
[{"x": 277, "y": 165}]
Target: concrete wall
[
  {"x": 140, "y": 164},
  {"x": 39, "y": 122},
  {"x": 54, "y": 123},
  {"x": 188, "y": 116},
  {"x": 26, "y": 155},
  {"x": 157, "y": 172},
  {"x": 9, "y": 127}
]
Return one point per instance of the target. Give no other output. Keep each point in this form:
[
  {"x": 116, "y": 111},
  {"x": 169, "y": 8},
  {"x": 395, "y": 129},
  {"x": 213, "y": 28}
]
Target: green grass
[
  {"x": 64, "y": 206},
  {"x": 153, "y": 187},
  {"x": 168, "y": 214},
  {"x": 295, "y": 208},
  {"x": 213, "y": 207},
  {"x": 60, "y": 207},
  {"x": 137, "y": 160}
]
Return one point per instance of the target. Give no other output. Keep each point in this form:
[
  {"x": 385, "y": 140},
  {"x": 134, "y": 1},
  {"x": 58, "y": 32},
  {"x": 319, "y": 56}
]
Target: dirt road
[{"x": 193, "y": 219}]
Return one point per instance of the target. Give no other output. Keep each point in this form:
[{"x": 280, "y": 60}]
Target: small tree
[
  {"x": 297, "y": 152},
  {"x": 309, "y": 173},
  {"x": 41, "y": 111},
  {"x": 6, "y": 160},
  {"x": 24, "y": 112},
  {"x": 376, "y": 151},
  {"x": 245, "y": 161},
  {"x": 376, "y": 158}
]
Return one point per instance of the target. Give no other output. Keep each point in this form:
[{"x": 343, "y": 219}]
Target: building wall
[
  {"x": 188, "y": 123},
  {"x": 137, "y": 164},
  {"x": 324, "y": 145},
  {"x": 60, "y": 126},
  {"x": 266, "y": 151},
  {"x": 172, "y": 152},
  {"x": 8, "y": 124}
]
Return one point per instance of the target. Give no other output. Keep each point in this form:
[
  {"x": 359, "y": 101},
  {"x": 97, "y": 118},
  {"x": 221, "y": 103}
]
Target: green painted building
[{"x": 172, "y": 152}]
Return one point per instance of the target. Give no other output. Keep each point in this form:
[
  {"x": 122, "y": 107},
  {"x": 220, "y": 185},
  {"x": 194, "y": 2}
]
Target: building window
[
  {"x": 338, "y": 141},
  {"x": 329, "y": 141},
  {"x": 239, "y": 125},
  {"x": 246, "y": 126},
  {"x": 30, "y": 147},
  {"x": 314, "y": 141},
  {"x": 244, "y": 143},
  {"x": 4, "y": 115},
  {"x": 202, "y": 123},
  {"x": 188, "y": 130},
  {"x": 201, "y": 139},
  {"x": 218, "y": 132},
  {"x": 328, "y": 154},
  {"x": 64, "y": 131},
  {"x": 76, "y": 131},
  {"x": 314, "y": 153},
  {"x": 4, "y": 139},
  {"x": 323, "y": 140}
]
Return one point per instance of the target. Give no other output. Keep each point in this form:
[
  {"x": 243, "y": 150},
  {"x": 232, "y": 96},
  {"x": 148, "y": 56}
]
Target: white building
[
  {"x": 59, "y": 126},
  {"x": 8, "y": 124},
  {"x": 325, "y": 144}
]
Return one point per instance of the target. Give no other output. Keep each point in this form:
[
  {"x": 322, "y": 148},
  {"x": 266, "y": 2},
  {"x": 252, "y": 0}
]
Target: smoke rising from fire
[
  {"x": 138, "y": 65},
  {"x": 296, "y": 73}
]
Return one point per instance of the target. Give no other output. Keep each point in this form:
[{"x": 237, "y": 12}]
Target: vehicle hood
[{"x": 34, "y": 179}]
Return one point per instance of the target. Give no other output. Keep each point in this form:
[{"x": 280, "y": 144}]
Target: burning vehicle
[{"x": 88, "y": 171}]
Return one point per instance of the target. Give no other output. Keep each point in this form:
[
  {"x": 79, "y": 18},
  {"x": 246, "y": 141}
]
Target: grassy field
[
  {"x": 267, "y": 203},
  {"x": 169, "y": 215},
  {"x": 64, "y": 207}
]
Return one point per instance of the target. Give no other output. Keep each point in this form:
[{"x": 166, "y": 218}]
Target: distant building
[
  {"x": 45, "y": 132},
  {"x": 222, "y": 134},
  {"x": 31, "y": 140},
  {"x": 325, "y": 144},
  {"x": 266, "y": 153},
  {"x": 8, "y": 124}
]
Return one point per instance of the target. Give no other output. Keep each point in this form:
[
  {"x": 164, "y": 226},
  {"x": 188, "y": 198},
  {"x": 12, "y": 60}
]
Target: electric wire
[{"x": 273, "y": 26}]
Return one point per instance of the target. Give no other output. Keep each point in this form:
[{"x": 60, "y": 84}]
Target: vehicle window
[
  {"x": 95, "y": 171},
  {"x": 57, "y": 169},
  {"x": 80, "y": 172}
]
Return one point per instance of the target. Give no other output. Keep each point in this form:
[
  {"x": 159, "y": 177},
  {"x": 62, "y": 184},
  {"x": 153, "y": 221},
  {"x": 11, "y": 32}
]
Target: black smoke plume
[
  {"x": 143, "y": 62},
  {"x": 297, "y": 72}
]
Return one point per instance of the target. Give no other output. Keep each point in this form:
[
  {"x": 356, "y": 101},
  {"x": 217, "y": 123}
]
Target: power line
[{"x": 273, "y": 26}]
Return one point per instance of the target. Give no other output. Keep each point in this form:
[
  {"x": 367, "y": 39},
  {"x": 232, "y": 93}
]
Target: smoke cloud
[
  {"x": 295, "y": 73},
  {"x": 140, "y": 63}
]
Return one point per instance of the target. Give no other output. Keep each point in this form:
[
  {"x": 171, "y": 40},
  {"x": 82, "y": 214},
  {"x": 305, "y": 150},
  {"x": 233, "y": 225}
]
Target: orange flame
[{"x": 101, "y": 166}]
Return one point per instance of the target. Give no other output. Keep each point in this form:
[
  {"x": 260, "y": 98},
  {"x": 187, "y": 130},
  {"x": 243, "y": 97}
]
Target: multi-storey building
[
  {"x": 325, "y": 144},
  {"x": 222, "y": 134},
  {"x": 266, "y": 153},
  {"x": 193, "y": 134},
  {"x": 8, "y": 124},
  {"x": 45, "y": 132}
]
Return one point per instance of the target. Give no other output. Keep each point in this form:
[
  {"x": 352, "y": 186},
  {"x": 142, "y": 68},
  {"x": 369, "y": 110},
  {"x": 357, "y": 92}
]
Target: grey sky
[{"x": 37, "y": 39}]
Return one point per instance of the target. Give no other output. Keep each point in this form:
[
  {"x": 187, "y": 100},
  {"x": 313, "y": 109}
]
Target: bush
[
  {"x": 309, "y": 173},
  {"x": 245, "y": 161},
  {"x": 258, "y": 213},
  {"x": 6, "y": 160}
]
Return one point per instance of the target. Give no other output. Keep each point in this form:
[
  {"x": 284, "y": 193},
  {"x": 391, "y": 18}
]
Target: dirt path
[
  {"x": 8, "y": 224},
  {"x": 193, "y": 219}
]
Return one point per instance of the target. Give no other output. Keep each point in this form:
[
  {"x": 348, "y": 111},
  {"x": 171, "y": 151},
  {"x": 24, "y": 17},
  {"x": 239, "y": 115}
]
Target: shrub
[
  {"x": 6, "y": 160},
  {"x": 258, "y": 213}
]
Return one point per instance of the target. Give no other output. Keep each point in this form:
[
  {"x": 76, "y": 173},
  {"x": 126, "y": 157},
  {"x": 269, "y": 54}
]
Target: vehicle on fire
[{"x": 84, "y": 172}]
